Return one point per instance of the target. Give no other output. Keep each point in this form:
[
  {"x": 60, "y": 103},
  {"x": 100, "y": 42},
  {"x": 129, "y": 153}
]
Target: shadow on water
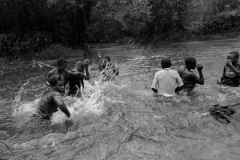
[{"x": 124, "y": 120}]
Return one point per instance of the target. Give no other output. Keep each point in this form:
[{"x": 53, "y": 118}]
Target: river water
[{"x": 123, "y": 119}]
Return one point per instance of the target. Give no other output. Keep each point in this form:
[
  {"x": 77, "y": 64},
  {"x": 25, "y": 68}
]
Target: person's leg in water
[{"x": 37, "y": 124}]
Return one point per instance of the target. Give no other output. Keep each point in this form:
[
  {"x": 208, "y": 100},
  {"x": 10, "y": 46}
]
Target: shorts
[
  {"x": 74, "y": 91},
  {"x": 229, "y": 82},
  {"x": 38, "y": 120}
]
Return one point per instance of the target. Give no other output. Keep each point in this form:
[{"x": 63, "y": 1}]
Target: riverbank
[{"x": 186, "y": 37}]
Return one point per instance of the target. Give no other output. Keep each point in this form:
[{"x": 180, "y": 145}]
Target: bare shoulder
[
  {"x": 189, "y": 76},
  {"x": 55, "y": 93}
]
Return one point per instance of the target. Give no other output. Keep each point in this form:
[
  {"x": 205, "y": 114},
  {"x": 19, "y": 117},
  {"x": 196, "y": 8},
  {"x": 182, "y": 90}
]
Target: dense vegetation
[{"x": 30, "y": 26}]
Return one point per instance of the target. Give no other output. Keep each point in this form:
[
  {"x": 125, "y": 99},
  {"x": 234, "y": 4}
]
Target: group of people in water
[
  {"x": 166, "y": 82},
  {"x": 61, "y": 82}
]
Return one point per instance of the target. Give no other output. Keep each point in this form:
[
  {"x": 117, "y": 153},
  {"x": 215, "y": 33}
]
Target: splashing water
[
  {"x": 92, "y": 103},
  {"x": 19, "y": 95},
  {"x": 123, "y": 120}
]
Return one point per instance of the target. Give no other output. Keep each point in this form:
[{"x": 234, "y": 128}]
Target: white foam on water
[
  {"x": 25, "y": 107},
  {"x": 92, "y": 102}
]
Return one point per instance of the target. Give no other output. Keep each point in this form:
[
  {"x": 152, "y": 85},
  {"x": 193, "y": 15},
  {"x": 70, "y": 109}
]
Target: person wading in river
[
  {"x": 51, "y": 99},
  {"x": 108, "y": 70},
  {"x": 167, "y": 81},
  {"x": 60, "y": 70},
  {"x": 231, "y": 71},
  {"x": 75, "y": 81},
  {"x": 189, "y": 78}
]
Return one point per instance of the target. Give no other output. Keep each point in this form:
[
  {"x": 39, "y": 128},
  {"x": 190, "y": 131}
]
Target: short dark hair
[
  {"x": 61, "y": 61},
  {"x": 190, "y": 61},
  {"x": 54, "y": 79},
  {"x": 166, "y": 63},
  {"x": 235, "y": 53},
  {"x": 107, "y": 58}
]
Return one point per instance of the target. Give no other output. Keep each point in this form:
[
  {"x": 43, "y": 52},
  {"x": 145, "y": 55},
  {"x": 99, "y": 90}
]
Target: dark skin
[
  {"x": 188, "y": 75},
  {"x": 61, "y": 70},
  {"x": 59, "y": 87},
  {"x": 80, "y": 71},
  {"x": 177, "y": 89},
  {"x": 86, "y": 62},
  {"x": 231, "y": 61},
  {"x": 105, "y": 61}
]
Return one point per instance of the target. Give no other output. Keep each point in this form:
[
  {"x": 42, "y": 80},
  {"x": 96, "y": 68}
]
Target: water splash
[
  {"x": 92, "y": 103},
  {"x": 17, "y": 99}
]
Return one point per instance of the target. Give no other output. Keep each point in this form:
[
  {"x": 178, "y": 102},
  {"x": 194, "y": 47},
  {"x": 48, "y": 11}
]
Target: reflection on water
[{"x": 123, "y": 120}]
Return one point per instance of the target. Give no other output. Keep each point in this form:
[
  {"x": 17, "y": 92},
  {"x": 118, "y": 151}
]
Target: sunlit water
[{"x": 123, "y": 119}]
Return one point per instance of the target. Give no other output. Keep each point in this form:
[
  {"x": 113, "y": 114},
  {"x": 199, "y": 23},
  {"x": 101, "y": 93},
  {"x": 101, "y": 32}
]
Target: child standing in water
[
  {"x": 75, "y": 81},
  {"x": 231, "y": 71},
  {"x": 189, "y": 78},
  {"x": 167, "y": 81},
  {"x": 60, "y": 70},
  {"x": 51, "y": 99},
  {"x": 108, "y": 70}
]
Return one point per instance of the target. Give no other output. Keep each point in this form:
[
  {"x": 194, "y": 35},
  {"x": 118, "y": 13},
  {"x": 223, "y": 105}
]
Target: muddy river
[{"x": 123, "y": 120}]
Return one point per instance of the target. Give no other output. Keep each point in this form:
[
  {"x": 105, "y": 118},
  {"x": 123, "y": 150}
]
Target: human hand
[
  {"x": 199, "y": 67},
  {"x": 86, "y": 62},
  {"x": 99, "y": 55},
  {"x": 229, "y": 63}
]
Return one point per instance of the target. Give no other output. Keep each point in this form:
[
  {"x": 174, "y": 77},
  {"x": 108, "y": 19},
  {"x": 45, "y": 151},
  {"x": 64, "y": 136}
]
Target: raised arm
[
  {"x": 100, "y": 67},
  {"x": 230, "y": 65},
  {"x": 61, "y": 105},
  {"x": 199, "y": 80},
  {"x": 51, "y": 73}
]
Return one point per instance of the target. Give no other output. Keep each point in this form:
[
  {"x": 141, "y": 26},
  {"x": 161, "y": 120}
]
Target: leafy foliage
[
  {"x": 112, "y": 19},
  {"x": 225, "y": 16},
  {"x": 30, "y": 26}
]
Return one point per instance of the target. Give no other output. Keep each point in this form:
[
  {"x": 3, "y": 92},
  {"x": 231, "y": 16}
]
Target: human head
[
  {"x": 79, "y": 67},
  {"x": 233, "y": 57},
  {"x": 166, "y": 63},
  {"x": 190, "y": 63},
  {"x": 61, "y": 63},
  {"x": 56, "y": 83},
  {"x": 106, "y": 59}
]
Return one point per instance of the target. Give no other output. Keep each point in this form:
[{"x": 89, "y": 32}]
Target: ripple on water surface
[{"x": 123, "y": 120}]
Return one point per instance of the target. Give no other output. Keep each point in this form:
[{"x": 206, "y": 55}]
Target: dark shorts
[
  {"x": 233, "y": 82},
  {"x": 73, "y": 91},
  {"x": 38, "y": 120}
]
